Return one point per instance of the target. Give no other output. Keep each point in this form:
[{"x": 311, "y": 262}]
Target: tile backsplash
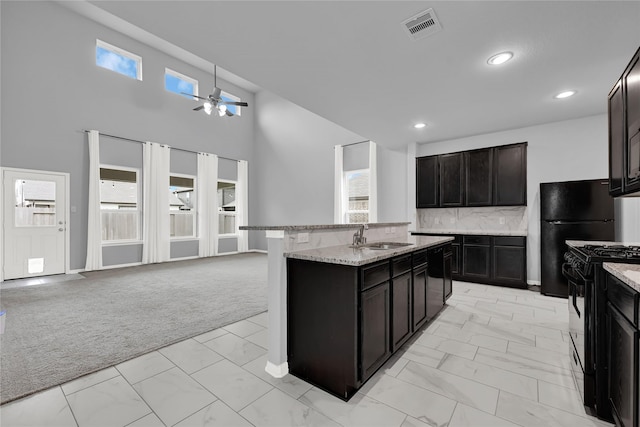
[{"x": 490, "y": 218}]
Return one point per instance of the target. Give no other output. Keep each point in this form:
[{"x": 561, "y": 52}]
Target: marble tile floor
[{"x": 493, "y": 357}]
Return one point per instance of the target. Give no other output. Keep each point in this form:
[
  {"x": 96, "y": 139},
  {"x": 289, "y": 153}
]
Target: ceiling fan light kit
[{"x": 215, "y": 100}]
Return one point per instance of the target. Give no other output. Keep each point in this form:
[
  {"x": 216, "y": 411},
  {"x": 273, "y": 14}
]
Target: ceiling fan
[{"x": 215, "y": 100}]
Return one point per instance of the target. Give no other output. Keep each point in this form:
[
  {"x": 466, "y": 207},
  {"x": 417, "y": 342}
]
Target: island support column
[{"x": 277, "y": 304}]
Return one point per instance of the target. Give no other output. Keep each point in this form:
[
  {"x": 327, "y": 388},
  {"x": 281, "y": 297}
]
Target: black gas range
[{"x": 587, "y": 313}]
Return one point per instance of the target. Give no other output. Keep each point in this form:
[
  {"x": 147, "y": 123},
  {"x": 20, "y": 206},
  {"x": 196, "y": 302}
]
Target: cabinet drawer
[
  {"x": 419, "y": 258},
  {"x": 400, "y": 265},
  {"x": 375, "y": 274},
  {"x": 509, "y": 241},
  {"x": 623, "y": 298},
  {"x": 477, "y": 240}
]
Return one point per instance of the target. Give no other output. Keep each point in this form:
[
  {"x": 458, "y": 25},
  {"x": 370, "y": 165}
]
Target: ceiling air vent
[{"x": 422, "y": 25}]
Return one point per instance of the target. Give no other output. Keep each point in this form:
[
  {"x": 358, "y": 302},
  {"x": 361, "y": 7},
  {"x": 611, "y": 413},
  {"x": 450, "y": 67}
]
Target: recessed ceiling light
[
  {"x": 419, "y": 125},
  {"x": 500, "y": 58},
  {"x": 565, "y": 94}
]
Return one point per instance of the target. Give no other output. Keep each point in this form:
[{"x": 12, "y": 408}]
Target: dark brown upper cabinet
[
  {"x": 494, "y": 176},
  {"x": 616, "y": 140},
  {"x": 427, "y": 182},
  {"x": 479, "y": 177},
  {"x": 624, "y": 131},
  {"x": 451, "y": 179},
  {"x": 510, "y": 169}
]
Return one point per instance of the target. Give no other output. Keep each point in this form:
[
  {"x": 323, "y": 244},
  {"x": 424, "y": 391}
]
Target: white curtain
[
  {"x": 207, "y": 204},
  {"x": 338, "y": 189},
  {"x": 94, "y": 225},
  {"x": 155, "y": 203},
  {"x": 373, "y": 182},
  {"x": 242, "y": 204}
]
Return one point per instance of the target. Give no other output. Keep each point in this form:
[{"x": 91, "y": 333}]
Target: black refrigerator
[{"x": 573, "y": 210}]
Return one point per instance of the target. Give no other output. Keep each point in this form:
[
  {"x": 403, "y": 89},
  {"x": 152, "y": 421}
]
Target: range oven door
[{"x": 579, "y": 326}]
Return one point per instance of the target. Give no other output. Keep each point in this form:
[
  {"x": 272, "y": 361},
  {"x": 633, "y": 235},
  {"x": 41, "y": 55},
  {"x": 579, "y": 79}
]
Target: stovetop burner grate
[{"x": 613, "y": 251}]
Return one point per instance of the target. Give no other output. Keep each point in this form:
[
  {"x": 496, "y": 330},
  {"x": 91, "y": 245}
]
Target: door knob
[{"x": 60, "y": 229}]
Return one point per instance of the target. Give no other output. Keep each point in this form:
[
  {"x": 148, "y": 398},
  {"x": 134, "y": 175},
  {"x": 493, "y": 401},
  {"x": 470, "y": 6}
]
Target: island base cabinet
[
  {"x": 344, "y": 322},
  {"x": 322, "y": 335},
  {"x": 375, "y": 329}
]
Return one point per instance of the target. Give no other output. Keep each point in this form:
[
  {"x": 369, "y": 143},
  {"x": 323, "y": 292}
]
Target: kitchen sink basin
[{"x": 383, "y": 245}]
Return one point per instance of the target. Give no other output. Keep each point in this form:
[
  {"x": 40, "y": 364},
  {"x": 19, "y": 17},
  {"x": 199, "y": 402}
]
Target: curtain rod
[
  {"x": 355, "y": 143},
  {"x": 143, "y": 142}
]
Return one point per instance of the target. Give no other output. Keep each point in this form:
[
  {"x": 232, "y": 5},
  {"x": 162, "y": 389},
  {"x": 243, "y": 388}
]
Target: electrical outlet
[
  {"x": 501, "y": 220},
  {"x": 387, "y": 230},
  {"x": 452, "y": 220},
  {"x": 393, "y": 229},
  {"x": 436, "y": 220},
  {"x": 303, "y": 237}
]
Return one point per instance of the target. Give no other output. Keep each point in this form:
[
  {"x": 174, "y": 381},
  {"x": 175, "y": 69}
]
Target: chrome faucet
[{"x": 358, "y": 236}]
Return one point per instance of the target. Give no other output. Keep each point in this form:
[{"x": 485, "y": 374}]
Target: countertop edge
[
  {"x": 472, "y": 232},
  {"x": 376, "y": 255},
  {"x": 622, "y": 270},
  {"x": 319, "y": 226}
]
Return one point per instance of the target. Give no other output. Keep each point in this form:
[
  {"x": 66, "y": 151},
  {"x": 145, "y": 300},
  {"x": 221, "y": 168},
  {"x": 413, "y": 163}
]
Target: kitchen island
[{"x": 350, "y": 308}]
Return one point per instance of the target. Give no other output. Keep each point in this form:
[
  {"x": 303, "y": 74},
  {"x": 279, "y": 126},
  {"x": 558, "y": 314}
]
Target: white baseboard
[
  {"x": 184, "y": 258},
  {"x": 109, "y": 267},
  {"x": 277, "y": 371},
  {"x": 259, "y": 251},
  {"x": 76, "y": 271},
  {"x": 533, "y": 282}
]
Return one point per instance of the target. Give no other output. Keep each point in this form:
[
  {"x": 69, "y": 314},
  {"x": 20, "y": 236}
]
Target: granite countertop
[
  {"x": 477, "y": 232},
  {"x": 319, "y": 226},
  {"x": 579, "y": 243},
  {"x": 628, "y": 273},
  {"x": 343, "y": 254}
]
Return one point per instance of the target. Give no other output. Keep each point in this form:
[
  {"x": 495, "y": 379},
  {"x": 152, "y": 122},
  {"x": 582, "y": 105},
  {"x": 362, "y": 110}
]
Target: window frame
[
  {"x": 194, "y": 211},
  {"x": 346, "y": 210},
  {"x": 138, "y": 209},
  {"x": 183, "y": 77},
  {"x": 119, "y": 51},
  {"x": 236, "y": 232},
  {"x": 233, "y": 98}
]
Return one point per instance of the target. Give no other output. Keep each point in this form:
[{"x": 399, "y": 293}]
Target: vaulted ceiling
[{"x": 353, "y": 63}]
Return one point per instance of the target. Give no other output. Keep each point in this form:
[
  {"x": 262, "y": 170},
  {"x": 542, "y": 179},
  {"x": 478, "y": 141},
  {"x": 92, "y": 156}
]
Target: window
[
  {"x": 119, "y": 204},
  {"x": 226, "y": 207},
  {"x": 182, "y": 203},
  {"x": 235, "y": 109},
  {"x": 357, "y": 189},
  {"x": 179, "y": 83},
  {"x": 118, "y": 60}
]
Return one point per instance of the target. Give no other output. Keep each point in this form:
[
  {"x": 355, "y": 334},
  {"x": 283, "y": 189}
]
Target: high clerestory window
[
  {"x": 119, "y": 60},
  {"x": 179, "y": 83}
]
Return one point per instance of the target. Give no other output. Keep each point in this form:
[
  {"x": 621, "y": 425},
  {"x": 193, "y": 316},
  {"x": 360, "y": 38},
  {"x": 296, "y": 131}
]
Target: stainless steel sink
[{"x": 383, "y": 245}]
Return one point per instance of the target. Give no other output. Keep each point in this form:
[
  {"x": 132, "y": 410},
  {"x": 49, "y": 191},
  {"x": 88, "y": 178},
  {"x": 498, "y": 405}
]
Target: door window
[{"x": 35, "y": 204}]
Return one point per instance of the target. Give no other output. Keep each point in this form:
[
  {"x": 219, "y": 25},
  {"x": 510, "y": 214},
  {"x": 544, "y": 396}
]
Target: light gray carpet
[{"x": 59, "y": 332}]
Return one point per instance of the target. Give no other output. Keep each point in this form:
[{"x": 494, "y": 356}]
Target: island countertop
[
  {"x": 346, "y": 255},
  {"x": 628, "y": 273}
]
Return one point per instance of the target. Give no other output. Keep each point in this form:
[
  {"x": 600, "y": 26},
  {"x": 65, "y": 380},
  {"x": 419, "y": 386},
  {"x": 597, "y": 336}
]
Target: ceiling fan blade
[
  {"x": 239, "y": 104},
  {"x": 229, "y": 113},
  {"x": 192, "y": 95},
  {"x": 198, "y": 108}
]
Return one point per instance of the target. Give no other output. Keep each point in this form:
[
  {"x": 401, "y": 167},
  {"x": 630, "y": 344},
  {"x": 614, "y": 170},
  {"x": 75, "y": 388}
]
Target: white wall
[
  {"x": 560, "y": 151},
  {"x": 293, "y": 178}
]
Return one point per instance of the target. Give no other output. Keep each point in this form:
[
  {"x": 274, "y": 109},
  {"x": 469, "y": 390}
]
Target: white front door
[{"x": 34, "y": 226}]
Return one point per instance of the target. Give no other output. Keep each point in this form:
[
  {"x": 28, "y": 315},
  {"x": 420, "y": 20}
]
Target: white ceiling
[{"x": 352, "y": 63}]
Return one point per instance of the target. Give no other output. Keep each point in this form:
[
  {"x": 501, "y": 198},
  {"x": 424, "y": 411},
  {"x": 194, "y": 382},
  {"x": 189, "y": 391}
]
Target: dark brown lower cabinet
[
  {"x": 420, "y": 281},
  {"x": 345, "y": 321},
  {"x": 494, "y": 260},
  {"x": 401, "y": 308},
  {"x": 375, "y": 328},
  {"x": 623, "y": 368}
]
